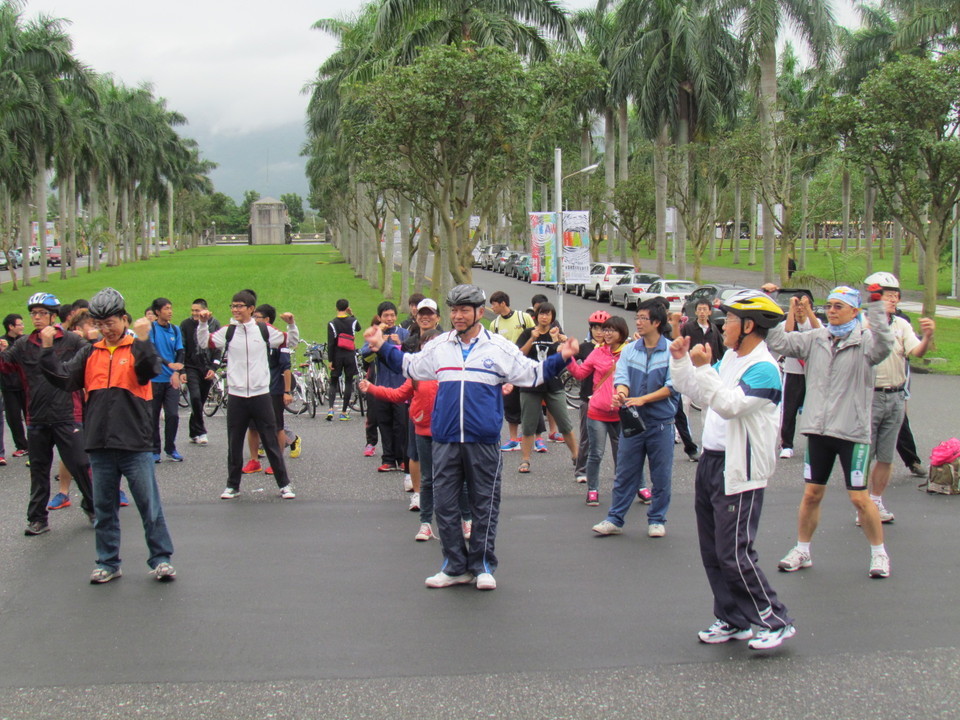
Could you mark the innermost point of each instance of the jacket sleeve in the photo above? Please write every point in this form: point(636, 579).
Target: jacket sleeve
point(880, 341)
point(280, 339)
point(394, 395)
point(792, 344)
point(146, 361)
point(331, 337)
point(68, 375)
point(581, 371)
point(727, 402)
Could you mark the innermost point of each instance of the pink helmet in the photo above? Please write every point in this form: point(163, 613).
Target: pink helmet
point(599, 317)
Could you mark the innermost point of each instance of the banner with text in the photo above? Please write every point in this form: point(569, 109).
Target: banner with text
point(576, 247)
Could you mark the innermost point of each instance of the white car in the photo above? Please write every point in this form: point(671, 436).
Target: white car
point(629, 288)
point(675, 291)
point(603, 276)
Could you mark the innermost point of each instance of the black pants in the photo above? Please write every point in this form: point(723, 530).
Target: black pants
point(683, 429)
point(794, 393)
point(67, 437)
point(392, 421)
point(343, 364)
point(199, 388)
point(906, 445)
point(241, 411)
point(13, 409)
point(167, 399)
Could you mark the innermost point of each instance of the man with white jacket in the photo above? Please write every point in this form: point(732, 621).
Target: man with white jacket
point(741, 395)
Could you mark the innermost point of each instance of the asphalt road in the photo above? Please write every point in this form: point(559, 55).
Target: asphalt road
point(315, 608)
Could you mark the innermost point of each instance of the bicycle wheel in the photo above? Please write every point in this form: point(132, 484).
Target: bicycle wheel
point(571, 388)
point(184, 399)
point(357, 401)
point(312, 397)
point(298, 404)
point(214, 399)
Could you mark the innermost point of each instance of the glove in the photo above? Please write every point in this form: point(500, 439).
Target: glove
point(876, 292)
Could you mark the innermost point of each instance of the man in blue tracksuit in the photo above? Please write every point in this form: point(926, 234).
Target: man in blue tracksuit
point(471, 364)
point(168, 341)
point(642, 380)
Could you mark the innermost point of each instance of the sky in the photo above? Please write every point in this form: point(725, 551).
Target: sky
point(236, 71)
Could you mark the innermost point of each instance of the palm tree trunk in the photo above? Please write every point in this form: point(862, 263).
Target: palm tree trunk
point(738, 220)
point(660, 198)
point(74, 209)
point(609, 171)
point(768, 101)
point(406, 244)
point(845, 197)
point(65, 255)
point(754, 217)
point(40, 202)
point(25, 239)
point(869, 198)
point(170, 239)
point(8, 233)
point(712, 222)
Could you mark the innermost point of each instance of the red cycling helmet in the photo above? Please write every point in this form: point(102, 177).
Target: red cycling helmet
point(598, 318)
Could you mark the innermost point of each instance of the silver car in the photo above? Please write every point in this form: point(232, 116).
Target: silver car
point(675, 291)
point(629, 288)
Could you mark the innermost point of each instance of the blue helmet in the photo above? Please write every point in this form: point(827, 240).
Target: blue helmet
point(44, 300)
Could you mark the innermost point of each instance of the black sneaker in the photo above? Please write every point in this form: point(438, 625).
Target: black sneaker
point(36, 528)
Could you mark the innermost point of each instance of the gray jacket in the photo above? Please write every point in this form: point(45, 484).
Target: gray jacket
point(839, 374)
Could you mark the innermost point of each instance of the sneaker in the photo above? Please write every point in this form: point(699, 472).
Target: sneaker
point(19, 453)
point(344, 417)
point(693, 456)
point(539, 446)
point(297, 447)
point(269, 470)
point(606, 528)
point(656, 530)
point(885, 515)
point(253, 466)
point(917, 469)
point(795, 560)
point(644, 495)
point(786, 453)
point(123, 499)
point(36, 528)
point(286, 492)
point(175, 456)
point(60, 500)
point(387, 467)
point(407, 483)
point(467, 527)
point(768, 639)
point(442, 580)
point(104, 575)
point(513, 444)
point(414, 502)
point(425, 533)
point(229, 493)
point(555, 437)
point(157, 459)
point(202, 439)
point(880, 566)
point(486, 581)
point(164, 572)
point(3, 460)
point(369, 450)
point(261, 452)
point(330, 415)
point(593, 498)
point(194, 440)
point(721, 632)
point(581, 479)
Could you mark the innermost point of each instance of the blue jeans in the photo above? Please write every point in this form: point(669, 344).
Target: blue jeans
point(598, 431)
point(137, 467)
point(656, 445)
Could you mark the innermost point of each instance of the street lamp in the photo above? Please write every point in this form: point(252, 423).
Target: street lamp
point(558, 178)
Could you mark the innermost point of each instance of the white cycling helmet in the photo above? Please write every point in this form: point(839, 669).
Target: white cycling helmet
point(883, 279)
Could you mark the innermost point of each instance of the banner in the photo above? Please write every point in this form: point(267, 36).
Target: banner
point(576, 247)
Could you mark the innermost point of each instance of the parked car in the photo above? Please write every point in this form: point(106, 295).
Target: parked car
point(630, 286)
point(783, 295)
point(715, 293)
point(524, 268)
point(501, 259)
point(53, 256)
point(510, 269)
point(675, 291)
point(603, 276)
point(510, 261)
point(477, 254)
point(489, 255)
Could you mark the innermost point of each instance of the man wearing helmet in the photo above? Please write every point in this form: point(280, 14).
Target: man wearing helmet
point(890, 386)
point(741, 394)
point(116, 372)
point(54, 417)
point(840, 360)
point(470, 363)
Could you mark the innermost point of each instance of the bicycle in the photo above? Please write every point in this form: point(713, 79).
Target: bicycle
point(184, 398)
point(217, 397)
point(357, 401)
point(317, 380)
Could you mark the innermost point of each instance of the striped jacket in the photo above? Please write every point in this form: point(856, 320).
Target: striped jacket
point(644, 375)
point(469, 404)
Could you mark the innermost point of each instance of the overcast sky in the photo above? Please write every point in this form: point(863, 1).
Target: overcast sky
point(235, 70)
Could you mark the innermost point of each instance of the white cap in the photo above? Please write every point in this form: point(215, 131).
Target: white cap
point(427, 303)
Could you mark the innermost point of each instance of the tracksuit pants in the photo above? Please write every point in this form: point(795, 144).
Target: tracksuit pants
point(727, 526)
point(67, 437)
point(794, 392)
point(166, 398)
point(478, 468)
point(241, 412)
point(198, 388)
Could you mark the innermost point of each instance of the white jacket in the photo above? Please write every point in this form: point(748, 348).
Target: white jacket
point(248, 367)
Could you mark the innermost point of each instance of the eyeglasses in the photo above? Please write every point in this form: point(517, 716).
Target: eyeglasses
point(108, 323)
point(643, 318)
point(239, 306)
point(40, 313)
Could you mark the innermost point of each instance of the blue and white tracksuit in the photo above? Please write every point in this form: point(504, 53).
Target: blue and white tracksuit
point(645, 373)
point(742, 397)
point(466, 421)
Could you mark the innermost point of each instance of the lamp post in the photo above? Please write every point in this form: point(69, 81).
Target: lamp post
point(214, 231)
point(558, 178)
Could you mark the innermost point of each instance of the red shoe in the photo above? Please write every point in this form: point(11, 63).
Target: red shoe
point(19, 453)
point(387, 467)
point(369, 450)
point(556, 437)
point(269, 470)
point(252, 467)
point(3, 460)
point(644, 495)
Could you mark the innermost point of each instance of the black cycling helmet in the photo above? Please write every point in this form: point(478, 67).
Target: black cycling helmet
point(106, 304)
point(466, 295)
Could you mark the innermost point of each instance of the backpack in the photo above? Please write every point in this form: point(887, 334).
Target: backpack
point(944, 474)
point(232, 329)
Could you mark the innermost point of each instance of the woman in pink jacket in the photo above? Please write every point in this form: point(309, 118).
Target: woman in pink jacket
point(602, 417)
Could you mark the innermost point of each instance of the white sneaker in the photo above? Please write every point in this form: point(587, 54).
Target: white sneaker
point(486, 581)
point(414, 502)
point(786, 453)
point(767, 639)
point(606, 528)
point(795, 560)
point(656, 530)
point(581, 479)
point(467, 527)
point(286, 492)
point(407, 483)
point(721, 632)
point(880, 566)
point(885, 515)
point(201, 439)
point(442, 580)
point(229, 494)
point(425, 533)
